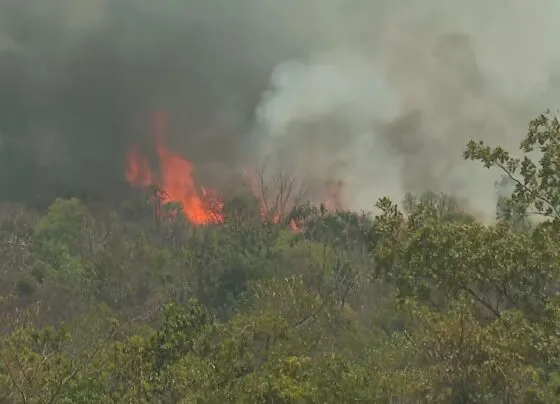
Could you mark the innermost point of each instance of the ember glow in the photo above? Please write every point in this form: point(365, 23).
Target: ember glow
point(174, 179)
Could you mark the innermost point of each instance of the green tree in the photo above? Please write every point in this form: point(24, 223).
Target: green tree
point(536, 184)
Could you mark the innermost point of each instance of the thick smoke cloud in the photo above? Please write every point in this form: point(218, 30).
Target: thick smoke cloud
point(444, 72)
point(79, 81)
point(380, 94)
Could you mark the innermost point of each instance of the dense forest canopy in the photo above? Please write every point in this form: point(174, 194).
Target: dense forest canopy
point(420, 302)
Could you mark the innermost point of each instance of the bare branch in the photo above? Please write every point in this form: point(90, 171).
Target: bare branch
point(287, 192)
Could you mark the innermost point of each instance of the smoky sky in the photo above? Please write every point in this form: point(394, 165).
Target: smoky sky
point(80, 82)
point(380, 94)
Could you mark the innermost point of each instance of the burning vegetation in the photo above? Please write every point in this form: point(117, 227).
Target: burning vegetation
point(174, 179)
point(173, 182)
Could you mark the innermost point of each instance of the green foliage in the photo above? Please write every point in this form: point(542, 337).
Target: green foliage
point(421, 303)
point(62, 234)
point(537, 190)
point(179, 333)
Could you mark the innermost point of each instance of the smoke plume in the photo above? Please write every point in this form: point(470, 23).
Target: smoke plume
point(382, 95)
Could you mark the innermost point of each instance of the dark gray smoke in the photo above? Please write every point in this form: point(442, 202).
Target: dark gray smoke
point(79, 82)
point(380, 94)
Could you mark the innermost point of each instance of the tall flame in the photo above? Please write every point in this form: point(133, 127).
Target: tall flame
point(175, 179)
point(175, 183)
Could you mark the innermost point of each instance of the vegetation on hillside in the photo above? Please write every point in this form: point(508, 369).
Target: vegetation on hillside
point(420, 303)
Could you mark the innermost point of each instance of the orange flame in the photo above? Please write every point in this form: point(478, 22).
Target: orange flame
point(176, 183)
point(201, 206)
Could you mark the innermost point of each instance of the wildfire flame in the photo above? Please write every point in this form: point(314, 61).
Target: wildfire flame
point(175, 183)
point(175, 179)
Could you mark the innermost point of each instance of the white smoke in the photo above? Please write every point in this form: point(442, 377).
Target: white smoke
point(391, 108)
point(348, 98)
